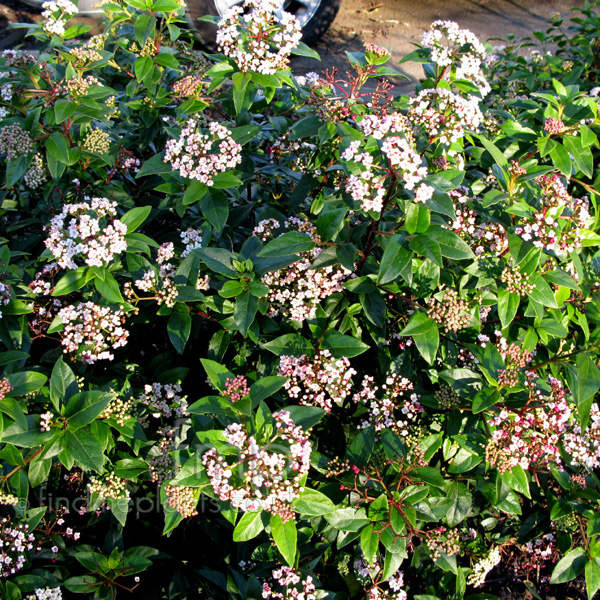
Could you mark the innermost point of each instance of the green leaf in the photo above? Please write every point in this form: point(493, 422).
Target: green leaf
point(218, 260)
point(109, 288)
point(425, 333)
point(418, 218)
point(395, 262)
point(347, 519)
point(305, 128)
point(496, 153)
point(246, 305)
point(26, 382)
point(301, 49)
point(248, 527)
point(64, 109)
point(136, 216)
point(143, 67)
point(285, 537)
point(306, 416)
point(217, 373)
point(517, 479)
point(542, 292)
point(360, 450)
point(215, 208)
point(291, 344)
point(460, 503)
point(581, 155)
point(569, 566)
point(451, 246)
point(85, 449)
point(71, 282)
point(292, 242)
point(508, 304)
point(369, 543)
point(585, 386)
point(342, 345)
point(561, 159)
point(592, 577)
point(58, 148)
point(154, 166)
point(264, 388)
point(425, 246)
point(313, 503)
point(84, 407)
point(179, 326)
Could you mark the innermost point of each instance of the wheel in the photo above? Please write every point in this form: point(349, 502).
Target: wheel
point(315, 16)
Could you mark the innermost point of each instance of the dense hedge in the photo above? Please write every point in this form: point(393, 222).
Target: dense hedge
point(394, 299)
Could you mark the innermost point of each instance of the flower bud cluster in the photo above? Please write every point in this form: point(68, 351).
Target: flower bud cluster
point(7, 498)
point(296, 291)
point(17, 59)
point(317, 382)
point(516, 282)
point(483, 567)
point(118, 409)
point(442, 540)
point(36, 173)
point(46, 421)
point(108, 486)
point(337, 466)
point(462, 51)
point(289, 585)
point(446, 397)
point(162, 465)
point(15, 141)
point(47, 593)
point(182, 499)
point(236, 388)
point(451, 311)
point(201, 156)
point(39, 285)
point(15, 541)
point(377, 51)
point(256, 477)
point(92, 331)
point(394, 410)
point(79, 86)
point(554, 126)
point(444, 115)
point(188, 87)
point(97, 141)
point(89, 231)
point(84, 56)
point(297, 152)
point(5, 388)
point(164, 401)
point(260, 40)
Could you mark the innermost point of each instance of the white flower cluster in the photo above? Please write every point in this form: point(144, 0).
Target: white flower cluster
point(15, 541)
point(296, 291)
point(556, 224)
point(55, 12)
point(460, 49)
point(394, 410)
point(258, 477)
point(36, 173)
point(201, 156)
point(584, 447)
point(47, 593)
point(164, 400)
point(260, 40)
point(444, 115)
point(483, 567)
point(398, 146)
point(317, 381)
point(290, 586)
point(87, 230)
point(92, 330)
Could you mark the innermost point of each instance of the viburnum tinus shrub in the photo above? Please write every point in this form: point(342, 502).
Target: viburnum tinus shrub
point(278, 336)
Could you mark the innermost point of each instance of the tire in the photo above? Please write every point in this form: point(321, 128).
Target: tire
point(315, 16)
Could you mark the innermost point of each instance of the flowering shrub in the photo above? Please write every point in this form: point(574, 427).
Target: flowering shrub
point(338, 343)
